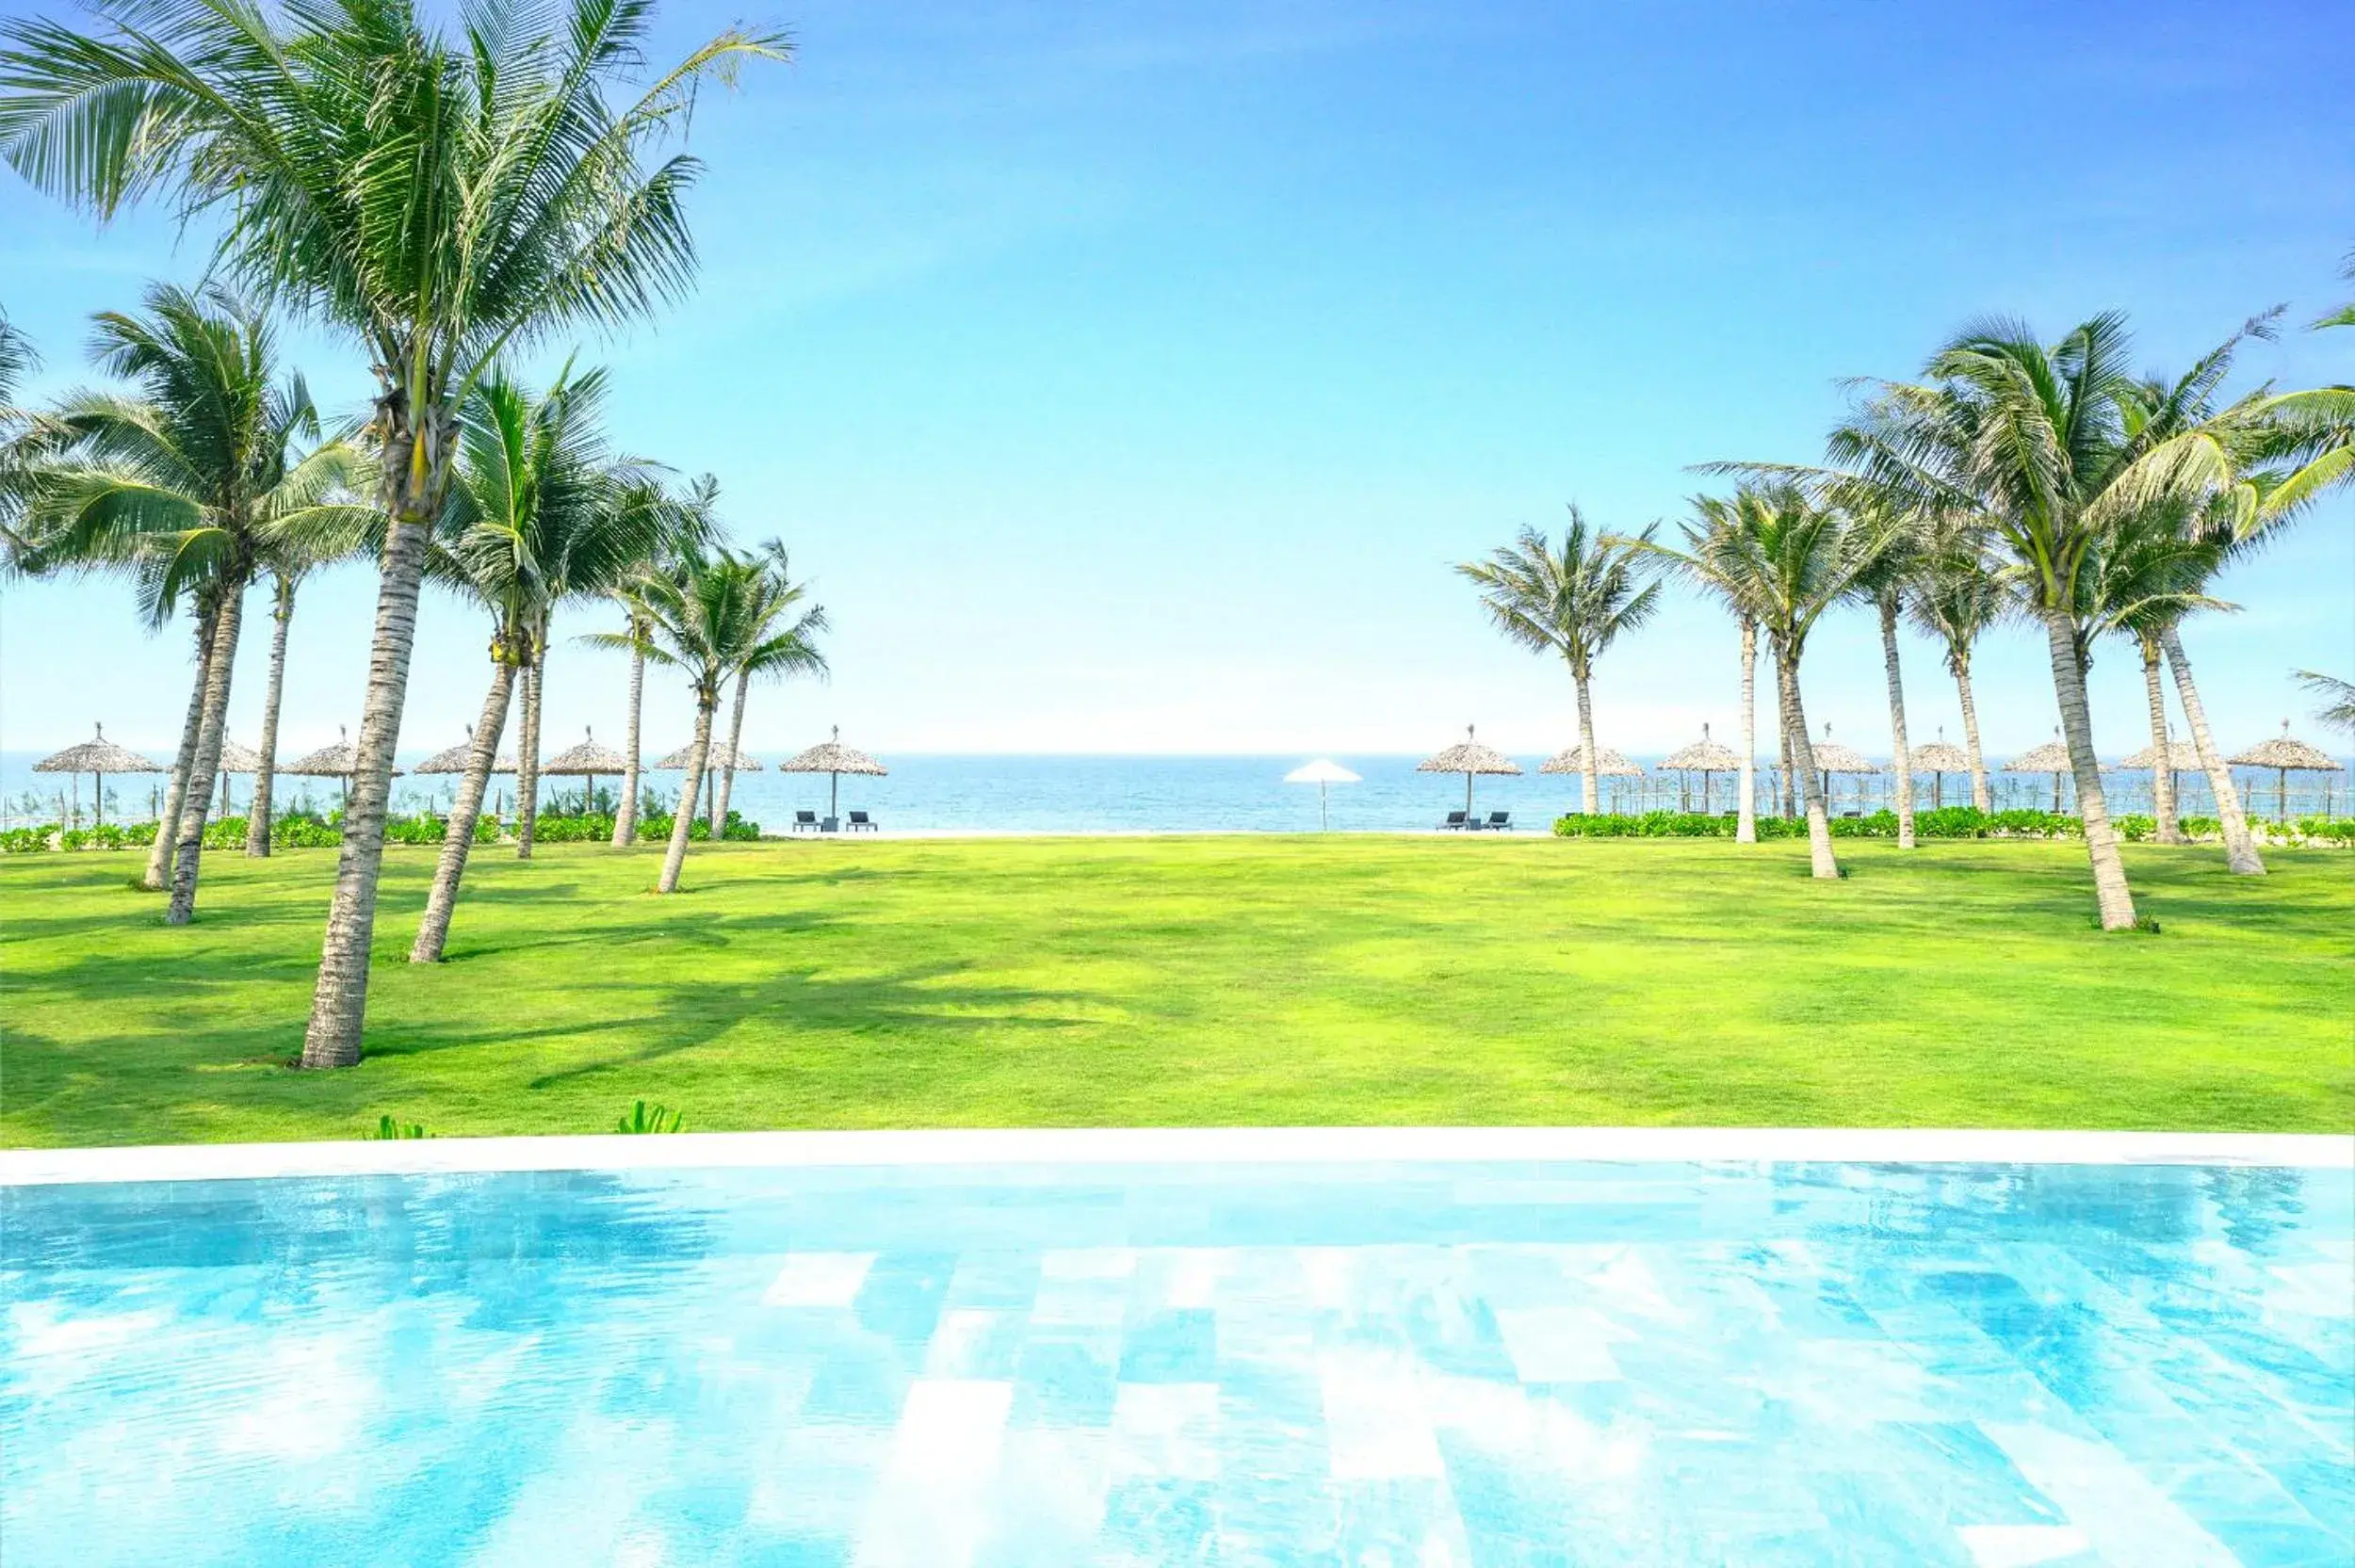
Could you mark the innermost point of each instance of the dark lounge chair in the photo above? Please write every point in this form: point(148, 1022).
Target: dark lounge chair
point(860, 820)
point(1498, 821)
point(1457, 819)
point(804, 821)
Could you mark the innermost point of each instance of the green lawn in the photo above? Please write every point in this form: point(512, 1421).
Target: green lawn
point(1196, 980)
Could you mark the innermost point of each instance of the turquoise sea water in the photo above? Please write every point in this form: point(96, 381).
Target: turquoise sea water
point(1184, 794)
point(1475, 1364)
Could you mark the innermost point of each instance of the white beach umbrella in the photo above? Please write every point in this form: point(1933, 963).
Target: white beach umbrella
point(1320, 773)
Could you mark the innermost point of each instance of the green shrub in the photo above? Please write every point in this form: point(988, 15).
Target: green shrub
point(594, 828)
point(388, 1130)
point(1942, 822)
point(643, 1117)
point(27, 841)
point(2329, 830)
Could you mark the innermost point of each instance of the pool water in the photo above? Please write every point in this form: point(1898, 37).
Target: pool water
point(1396, 1365)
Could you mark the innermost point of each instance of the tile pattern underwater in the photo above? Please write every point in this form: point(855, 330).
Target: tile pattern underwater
point(1390, 1365)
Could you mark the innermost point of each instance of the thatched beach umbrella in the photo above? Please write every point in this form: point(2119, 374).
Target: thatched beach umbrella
point(452, 759)
point(1705, 757)
point(1609, 763)
point(338, 762)
point(1831, 757)
point(235, 759)
point(2052, 757)
point(586, 761)
point(835, 759)
point(97, 756)
point(1938, 759)
point(1321, 774)
point(2182, 757)
point(717, 756)
point(1467, 757)
point(2286, 754)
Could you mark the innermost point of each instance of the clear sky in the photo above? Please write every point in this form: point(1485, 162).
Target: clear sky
point(1128, 377)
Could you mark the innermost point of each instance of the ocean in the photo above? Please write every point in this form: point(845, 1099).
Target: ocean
point(1162, 794)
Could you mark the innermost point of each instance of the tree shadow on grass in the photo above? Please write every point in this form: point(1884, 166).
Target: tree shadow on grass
point(689, 1014)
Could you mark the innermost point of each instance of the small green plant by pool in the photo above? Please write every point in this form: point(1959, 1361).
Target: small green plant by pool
point(643, 1118)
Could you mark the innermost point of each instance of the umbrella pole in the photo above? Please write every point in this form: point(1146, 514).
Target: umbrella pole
point(834, 795)
point(1325, 822)
point(98, 794)
point(1468, 781)
point(2281, 795)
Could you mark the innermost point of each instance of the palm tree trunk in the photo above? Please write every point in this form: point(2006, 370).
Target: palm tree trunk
point(197, 799)
point(2169, 830)
point(1589, 773)
point(625, 818)
point(2240, 850)
point(727, 774)
point(176, 790)
point(458, 838)
point(1820, 859)
point(683, 819)
point(1789, 784)
point(1900, 753)
point(266, 771)
point(1980, 801)
point(528, 761)
point(416, 470)
point(1746, 819)
point(2111, 895)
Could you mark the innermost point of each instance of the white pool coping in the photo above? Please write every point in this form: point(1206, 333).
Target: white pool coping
point(1174, 1145)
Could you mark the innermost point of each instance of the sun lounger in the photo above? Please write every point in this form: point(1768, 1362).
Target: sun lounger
point(860, 820)
point(804, 821)
point(1498, 821)
point(1456, 819)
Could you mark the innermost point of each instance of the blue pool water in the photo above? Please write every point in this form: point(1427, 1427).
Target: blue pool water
point(1400, 1364)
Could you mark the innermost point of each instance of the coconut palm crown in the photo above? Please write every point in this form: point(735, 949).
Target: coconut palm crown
point(1573, 599)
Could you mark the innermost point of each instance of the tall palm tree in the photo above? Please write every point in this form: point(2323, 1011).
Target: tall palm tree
point(690, 518)
point(1782, 558)
point(539, 510)
point(700, 616)
point(1574, 600)
point(1710, 543)
point(193, 481)
point(18, 360)
point(783, 643)
point(444, 199)
point(2053, 446)
point(1954, 599)
point(1885, 584)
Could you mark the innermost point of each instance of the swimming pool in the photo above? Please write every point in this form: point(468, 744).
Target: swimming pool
point(1414, 1361)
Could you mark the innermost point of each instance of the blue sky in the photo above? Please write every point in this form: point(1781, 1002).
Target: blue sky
point(1128, 377)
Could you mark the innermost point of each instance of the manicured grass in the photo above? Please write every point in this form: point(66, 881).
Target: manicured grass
point(1196, 980)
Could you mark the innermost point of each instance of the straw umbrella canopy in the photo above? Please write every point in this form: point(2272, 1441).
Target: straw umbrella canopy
point(1609, 763)
point(452, 759)
point(836, 759)
point(97, 756)
point(2286, 754)
point(1469, 758)
point(2182, 757)
point(717, 756)
point(2052, 757)
point(1705, 757)
point(338, 762)
point(1938, 759)
point(1321, 774)
point(586, 761)
point(1831, 757)
point(235, 759)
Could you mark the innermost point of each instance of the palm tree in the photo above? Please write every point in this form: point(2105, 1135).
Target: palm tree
point(783, 643)
point(2338, 696)
point(193, 482)
point(1782, 558)
point(1574, 600)
point(1709, 543)
point(539, 510)
point(18, 360)
point(444, 199)
point(1955, 600)
point(1884, 584)
point(690, 518)
point(699, 618)
point(2054, 446)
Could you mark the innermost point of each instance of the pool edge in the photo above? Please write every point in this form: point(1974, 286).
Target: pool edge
point(1174, 1145)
